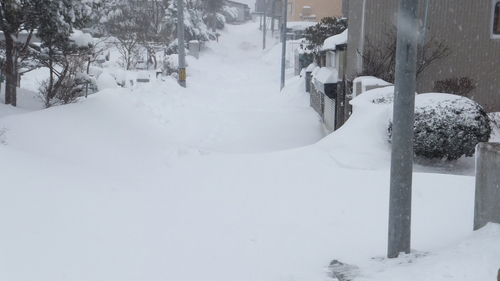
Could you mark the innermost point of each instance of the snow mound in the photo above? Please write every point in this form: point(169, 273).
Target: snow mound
point(106, 81)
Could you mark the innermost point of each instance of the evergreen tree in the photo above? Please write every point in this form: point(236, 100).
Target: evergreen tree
point(211, 9)
point(29, 15)
point(194, 26)
point(327, 27)
point(56, 20)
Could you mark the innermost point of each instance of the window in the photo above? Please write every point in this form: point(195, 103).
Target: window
point(496, 18)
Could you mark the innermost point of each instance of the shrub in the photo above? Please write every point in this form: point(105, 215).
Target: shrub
point(457, 86)
point(317, 34)
point(447, 126)
point(66, 91)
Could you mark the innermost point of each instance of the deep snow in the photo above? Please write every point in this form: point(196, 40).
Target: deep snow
point(227, 179)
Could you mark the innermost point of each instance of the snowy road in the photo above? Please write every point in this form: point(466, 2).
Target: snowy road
point(225, 180)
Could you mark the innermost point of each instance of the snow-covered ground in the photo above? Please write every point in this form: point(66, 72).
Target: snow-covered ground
point(227, 179)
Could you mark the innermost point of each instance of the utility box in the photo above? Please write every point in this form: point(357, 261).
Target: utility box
point(194, 48)
point(143, 77)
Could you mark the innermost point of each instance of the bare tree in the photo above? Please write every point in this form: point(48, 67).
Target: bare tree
point(380, 59)
point(135, 24)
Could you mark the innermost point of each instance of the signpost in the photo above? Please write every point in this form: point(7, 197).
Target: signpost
point(283, 48)
point(180, 45)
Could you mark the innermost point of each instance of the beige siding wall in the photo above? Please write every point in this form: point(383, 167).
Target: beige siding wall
point(369, 20)
point(320, 8)
point(463, 25)
point(466, 30)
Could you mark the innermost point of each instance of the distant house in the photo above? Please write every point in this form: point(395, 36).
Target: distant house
point(302, 10)
point(243, 10)
point(471, 29)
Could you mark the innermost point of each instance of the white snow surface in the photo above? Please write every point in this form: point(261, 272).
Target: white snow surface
point(227, 179)
point(106, 81)
point(82, 39)
point(327, 75)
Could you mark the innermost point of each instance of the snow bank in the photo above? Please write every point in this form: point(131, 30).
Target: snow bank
point(326, 75)
point(222, 180)
point(106, 81)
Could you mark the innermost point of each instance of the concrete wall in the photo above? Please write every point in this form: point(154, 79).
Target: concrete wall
point(487, 202)
point(464, 26)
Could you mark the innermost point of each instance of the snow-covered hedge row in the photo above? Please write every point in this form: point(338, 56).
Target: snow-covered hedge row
point(447, 126)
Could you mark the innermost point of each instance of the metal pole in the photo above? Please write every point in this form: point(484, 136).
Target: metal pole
point(422, 52)
point(180, 43)
point(264, 30)
point(283, 47)
point(402, 130)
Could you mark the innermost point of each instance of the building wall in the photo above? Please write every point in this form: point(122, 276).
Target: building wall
point(241, 10)
point(462, 25)
point(466, 30)
point(320, 8)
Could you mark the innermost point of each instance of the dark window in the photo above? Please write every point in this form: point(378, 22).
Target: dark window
point(496, 19)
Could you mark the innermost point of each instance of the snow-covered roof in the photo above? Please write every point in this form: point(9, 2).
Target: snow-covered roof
point(331, 42)
point(311, 67)
point(327, 75)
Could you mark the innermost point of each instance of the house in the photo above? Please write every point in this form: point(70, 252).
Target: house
point(313, 10)
point(243, 10)
point(470, 29)
point(302, 10)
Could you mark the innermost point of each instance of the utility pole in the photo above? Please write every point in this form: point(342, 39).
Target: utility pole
point(283, 46)
point(402, 130)
point(180, 43)
point(264, 30)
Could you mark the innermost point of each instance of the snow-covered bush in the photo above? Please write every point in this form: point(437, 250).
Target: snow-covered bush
point(171, 64)
point(447, 126)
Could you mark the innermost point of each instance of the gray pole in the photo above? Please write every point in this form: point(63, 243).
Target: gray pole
point(402, 130)
point(180, 45)
point(264, 28)
point(283, 48)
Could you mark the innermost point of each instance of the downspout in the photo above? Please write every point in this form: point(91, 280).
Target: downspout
point(422, 44)
point(362, 39)
point(361, 49)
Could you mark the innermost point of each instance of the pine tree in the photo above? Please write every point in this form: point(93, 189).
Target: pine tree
point(30, 15)
point(56, 20)
point(327, 27)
